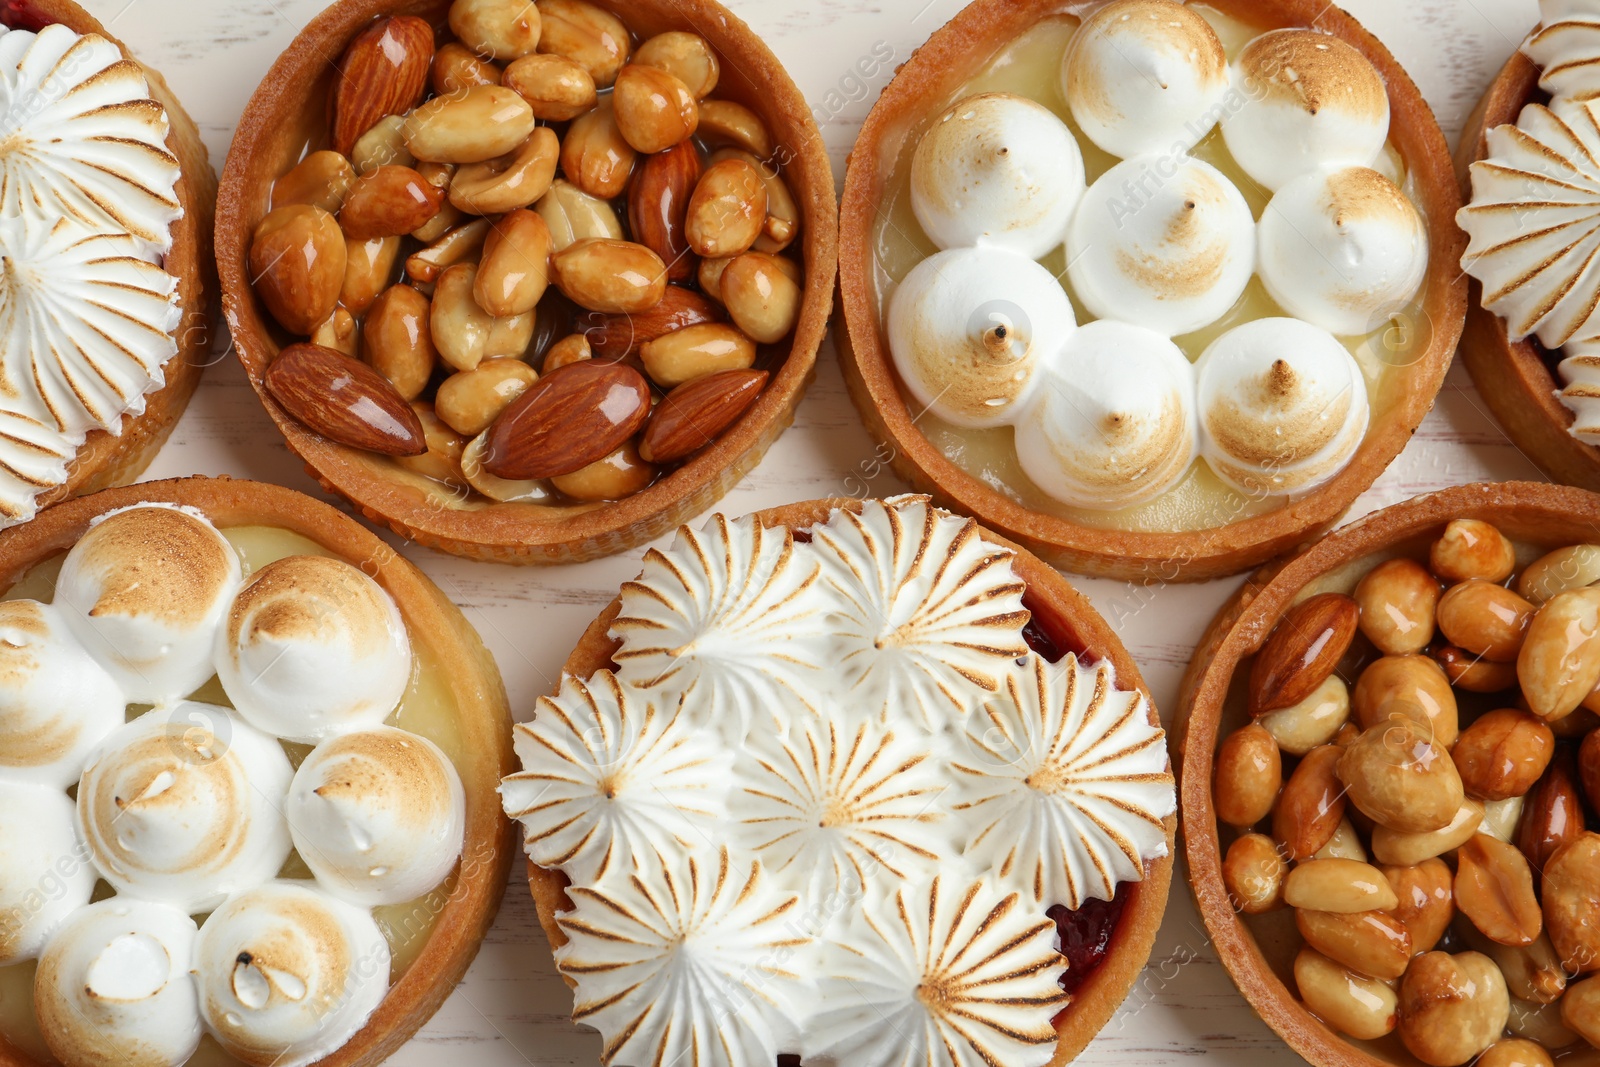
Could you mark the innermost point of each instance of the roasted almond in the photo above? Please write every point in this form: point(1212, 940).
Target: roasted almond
point(658, 200)
point(1311, 805)
point(1552, 813)
point(1302, 651)
point(568, 419)
point(614, 337)
point(344, 400)
point(695, 413)
point(384, 72)
point(297, 265)
point(1494, 888)
point(387, 202)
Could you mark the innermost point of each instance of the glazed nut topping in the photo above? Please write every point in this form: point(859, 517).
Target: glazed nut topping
point(1441, 857)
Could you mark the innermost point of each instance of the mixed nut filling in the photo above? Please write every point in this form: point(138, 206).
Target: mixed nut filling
point(1433, 826)
point(539, 262)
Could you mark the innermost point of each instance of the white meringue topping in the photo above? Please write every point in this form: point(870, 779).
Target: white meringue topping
point(611, 775)
point(1343, 249)
point(1166, 242)
point(288, 973)
point(312, 647)
point(693, 963)
point(56, 703)
point(968, 329)
point(379, 816)
point(1112, 423)
point(1066, 783)
point(1283, 407)
point(997, 169)
point(185, 805)
point(114, 986)
point(45, 874)
point(1566, 48)
point(145, 591)
point(1145, 76)
point(1312, 101)
point(1534, 223)
point(1580, 375)
point(942, 973)
point(928, 615)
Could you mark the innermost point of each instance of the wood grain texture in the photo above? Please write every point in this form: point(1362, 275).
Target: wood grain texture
point(512, 1009)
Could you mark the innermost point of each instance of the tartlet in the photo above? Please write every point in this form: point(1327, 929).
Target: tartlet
point(937, 75)
point(1117, 939)
point(286, 115)
point(107, 459)
point(1447, 533)
point(452, 692)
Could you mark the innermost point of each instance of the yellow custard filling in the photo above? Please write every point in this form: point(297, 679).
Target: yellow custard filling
point(1029, 67)
point(428, 709)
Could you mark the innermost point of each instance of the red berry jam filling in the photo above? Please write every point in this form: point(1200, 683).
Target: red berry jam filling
point(23, 15)
point(1086, 935)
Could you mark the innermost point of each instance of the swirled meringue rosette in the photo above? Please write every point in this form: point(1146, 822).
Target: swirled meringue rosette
point(778, 816)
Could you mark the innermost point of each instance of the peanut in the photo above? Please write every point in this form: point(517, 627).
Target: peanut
point(616, 277)
point(595, 156)
point(457, 67)
point(1567, 568)
point(510, 182)
point(457, 246)
point(1311, 804)
point(1398, 599)
point(1253, 872)
point(783, 221)
point(1426, 892)
point(1472, 549)
point(762, 296)
point(1401, 778)
point(466, 335)
point(470, 401)
point(709, 276)
point(1501, 818)
point(500, 29)
point(397, 341)
point(339, 332)
point(1474, 673)
point(1571, 890)
point(1342, 886)
point(1362, 1007)
point(1413, 686)
point(1580, 1010)
point(1452, 1007)
point(442, 461)
point(1515, 1052)
point(1503, 753)
point(323, 179)
point(1532, 972)
point(387, 202)
point(726, 122)
point(1368, 942)
point(1248, 774)
point(1486, 619)
point(1541, 1023)
point(654, 110)
point(727, 210)
point(557, 89)
point(686, 56)
point(594, 39)
point(1494, 888)
point(1589, 768)
point(500, 490)
point(574, 348)
point(1398, 848)
point(383, 145)
point(515, 269)
point(297, 265)
point(619, 475)
point(475, 124)
point(694, 351)
point(1559, 664)
point(369, 268)
point(1345, 844)
point(1301, 727)
point(573, 215)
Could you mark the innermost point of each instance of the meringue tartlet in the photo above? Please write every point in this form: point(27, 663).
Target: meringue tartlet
point(1531, 154)
point(829, 757)
point(263, 830)
point(1162, 287)
point(107, 198)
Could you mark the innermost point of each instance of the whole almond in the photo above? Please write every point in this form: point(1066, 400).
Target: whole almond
point(344, 400)
point(568, 419)
point(1552, 813)
point(1302, 651)
point(297, 265)
point(695, 413)
point(1494, 888)
point(1311, 805)
point(387, 202)
point(614, 337)
point(658, 200)
point(384, 72)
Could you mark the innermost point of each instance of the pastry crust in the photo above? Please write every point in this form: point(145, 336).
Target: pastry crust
point(436, 625)
point(1512, 376)
point(932, 77)
point(1528, 512)
point(1067, 617)
point(287, 113)
point(106, 460)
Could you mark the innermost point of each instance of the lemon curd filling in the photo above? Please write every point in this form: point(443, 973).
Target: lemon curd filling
point(427, 709)
point(1030, 67)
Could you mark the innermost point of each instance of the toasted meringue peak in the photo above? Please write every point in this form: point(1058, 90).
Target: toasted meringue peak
point(44, 875)
point(831, 806)
point(1145, 76)
point(611, 775)
point(1165, 242)
point(114, 986)
point(288, 973)
point(312, 648)
point(56, 703)
point(941, 973)
point(1534, 223)
point(83, 139)
point(1066, 784)
point(33, 457)
point(929, 616)
point(379, 816)
point(730, 610)
point(1112, 423)
point(1566, 48)
point(968, 329)
point(997, 169)
point(1343, 249)
point(1580, 375)
point(692, 962)
point(1312, 101)
point(1283, 407)
point(185, 805)
point(145, 591)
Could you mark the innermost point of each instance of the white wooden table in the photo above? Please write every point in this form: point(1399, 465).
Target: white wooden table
point(512, 1010)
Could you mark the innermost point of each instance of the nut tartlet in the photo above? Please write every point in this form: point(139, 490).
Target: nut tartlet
point(604, 389)
point(1001, 631)
point(1226, 402)
point(126, 428)
point(1520, 371)
point(329, 923)
point(1414, 685)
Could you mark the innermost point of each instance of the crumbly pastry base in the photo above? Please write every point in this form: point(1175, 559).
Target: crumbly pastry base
point(933, 76)
point(1512, 376)
point(1535, 513)
point(106, 460)
point(435, 624)
point(286, 113)
point(1067, 617)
